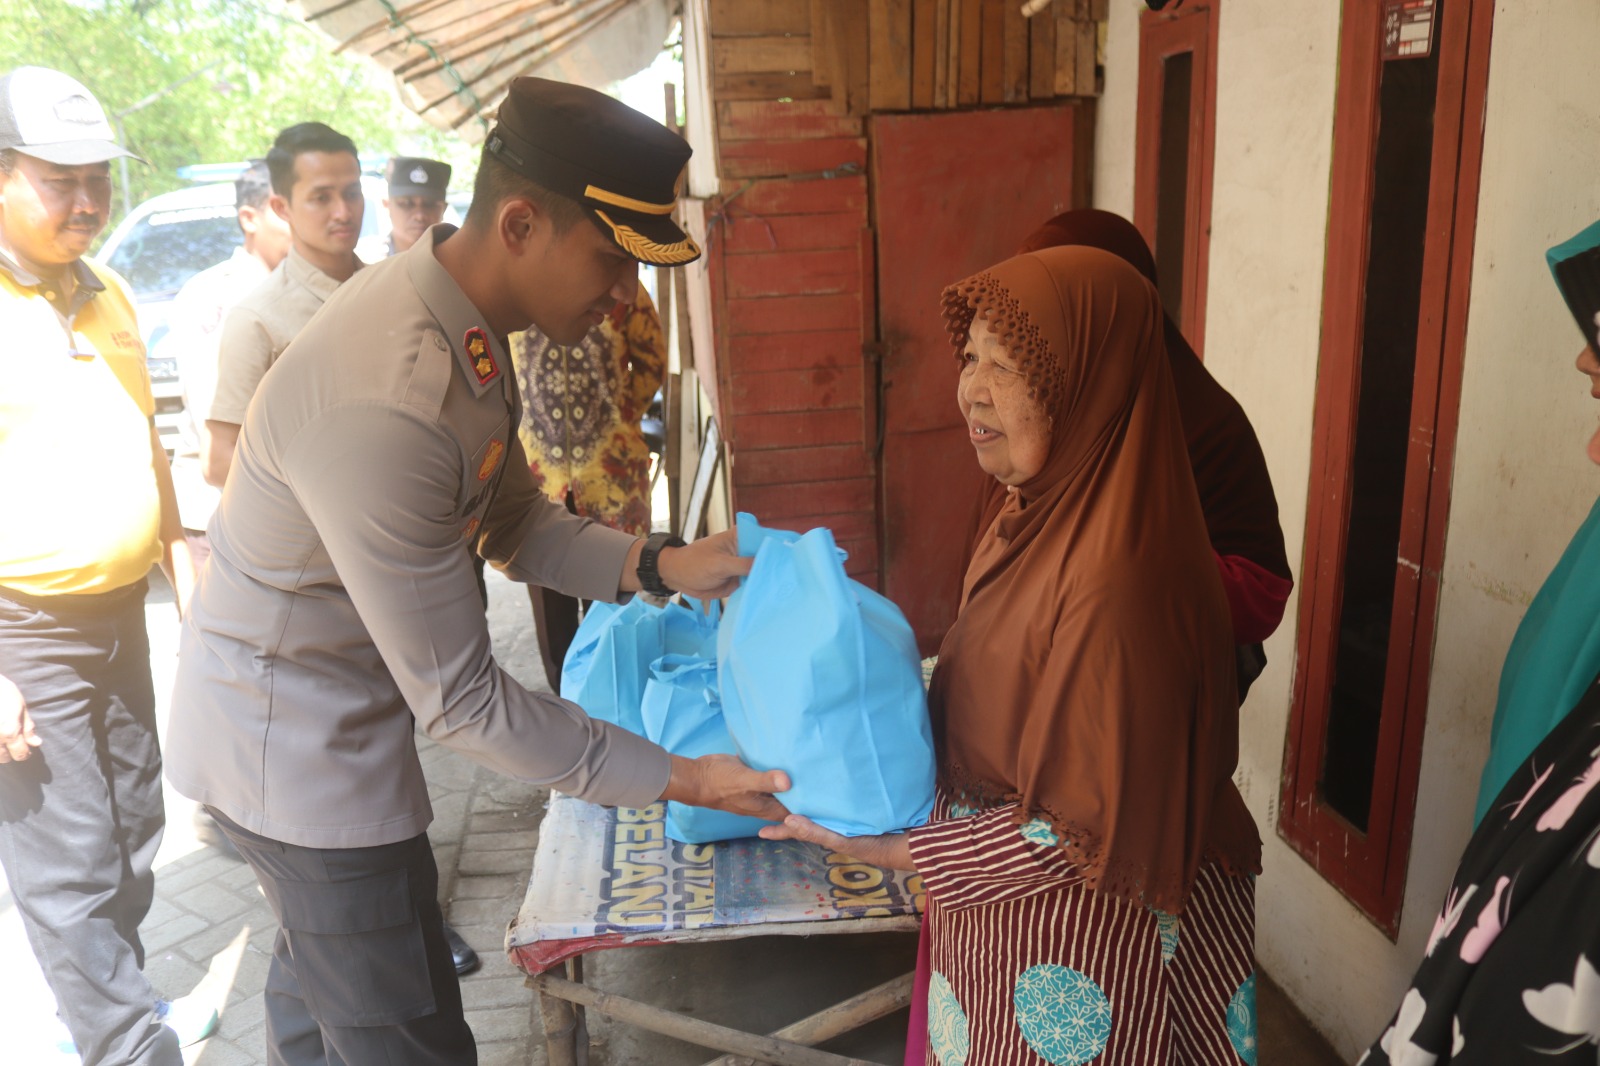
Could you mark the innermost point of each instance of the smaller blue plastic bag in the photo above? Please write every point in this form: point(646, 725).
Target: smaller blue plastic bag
point(585, 642)
point(608, 662)
point(820, 677)
point(606, 666)
point(683, 713)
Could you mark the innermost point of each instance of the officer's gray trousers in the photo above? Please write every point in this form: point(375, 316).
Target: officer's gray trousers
point(81, 818)
point(361, 973)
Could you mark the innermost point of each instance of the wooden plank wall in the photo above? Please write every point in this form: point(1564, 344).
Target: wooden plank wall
point(790, 244)
point(791, 259)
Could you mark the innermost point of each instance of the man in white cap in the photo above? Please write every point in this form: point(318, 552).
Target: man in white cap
point(89, 509)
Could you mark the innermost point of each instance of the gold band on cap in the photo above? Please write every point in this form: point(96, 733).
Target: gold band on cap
point(639, 246)
point(643, 207)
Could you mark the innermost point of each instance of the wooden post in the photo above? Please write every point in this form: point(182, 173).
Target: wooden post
point(580, 1029)
point(560, 1029)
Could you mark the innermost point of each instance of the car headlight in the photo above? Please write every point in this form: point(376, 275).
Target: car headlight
point(163, 370)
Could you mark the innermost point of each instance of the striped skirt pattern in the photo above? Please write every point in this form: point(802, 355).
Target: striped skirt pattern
point(1031, 967)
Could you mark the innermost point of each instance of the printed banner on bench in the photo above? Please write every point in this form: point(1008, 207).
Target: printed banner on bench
point(610, 874)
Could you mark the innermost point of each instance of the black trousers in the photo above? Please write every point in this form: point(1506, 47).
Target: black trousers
point(361, 973)
point(555, 622)
point(81, 818)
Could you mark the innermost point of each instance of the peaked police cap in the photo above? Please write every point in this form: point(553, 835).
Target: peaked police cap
point(622, 166)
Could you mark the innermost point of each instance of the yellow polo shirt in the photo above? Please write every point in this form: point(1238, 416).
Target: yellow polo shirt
point(79, 507)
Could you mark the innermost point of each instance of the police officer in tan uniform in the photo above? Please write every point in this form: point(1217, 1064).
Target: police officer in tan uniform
point(316, 188)
point(339, 610)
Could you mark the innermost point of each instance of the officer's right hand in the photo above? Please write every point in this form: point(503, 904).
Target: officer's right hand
point(17, 738)
point(723, 782)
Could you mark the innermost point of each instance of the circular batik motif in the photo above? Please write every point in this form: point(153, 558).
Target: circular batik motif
point(1242, 1021)
point(947, 1023)
point(1063, 1015)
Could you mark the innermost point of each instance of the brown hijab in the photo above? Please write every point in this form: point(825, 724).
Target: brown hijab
point(1230, 472)
point(1089, 676)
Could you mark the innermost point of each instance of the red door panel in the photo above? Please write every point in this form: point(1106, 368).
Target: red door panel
point(952, 193)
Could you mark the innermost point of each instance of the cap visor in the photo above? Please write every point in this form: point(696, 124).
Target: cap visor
point(77, 153)
point(415, 190)
point(654, 239)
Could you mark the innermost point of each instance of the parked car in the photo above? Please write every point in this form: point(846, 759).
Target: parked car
point(170, 238)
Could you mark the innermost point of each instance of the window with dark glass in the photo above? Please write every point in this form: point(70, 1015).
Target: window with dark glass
point(1407, 146)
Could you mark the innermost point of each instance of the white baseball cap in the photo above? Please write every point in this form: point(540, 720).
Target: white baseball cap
point(45, 114)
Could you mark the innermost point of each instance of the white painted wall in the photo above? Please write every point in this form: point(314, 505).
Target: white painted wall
point(1521, 483)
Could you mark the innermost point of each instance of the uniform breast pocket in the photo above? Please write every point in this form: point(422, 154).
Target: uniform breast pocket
point(480, 477)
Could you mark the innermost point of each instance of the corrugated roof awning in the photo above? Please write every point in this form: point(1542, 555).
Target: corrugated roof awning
point(453, 59)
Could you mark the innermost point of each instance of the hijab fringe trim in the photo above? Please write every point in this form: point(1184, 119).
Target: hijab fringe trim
point(1008, 320)
point(1123, 880)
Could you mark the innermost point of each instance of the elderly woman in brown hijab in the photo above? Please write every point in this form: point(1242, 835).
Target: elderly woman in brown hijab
point(1089, 864)
point(1230, 471)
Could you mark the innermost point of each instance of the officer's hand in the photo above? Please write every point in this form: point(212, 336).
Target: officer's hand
point(708, 569)
point(723, 782)
point(17, 738)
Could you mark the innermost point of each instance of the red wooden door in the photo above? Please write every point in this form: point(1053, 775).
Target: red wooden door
point(952, 193)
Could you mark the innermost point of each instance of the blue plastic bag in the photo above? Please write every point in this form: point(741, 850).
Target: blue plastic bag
point(608, 662)
point(690, 627)
point(820, 676)
point(585, 642)
point(605, 669)
point(683, 713)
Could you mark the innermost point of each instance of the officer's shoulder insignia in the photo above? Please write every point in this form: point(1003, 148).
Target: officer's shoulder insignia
point(491, 459)
point(483, 364)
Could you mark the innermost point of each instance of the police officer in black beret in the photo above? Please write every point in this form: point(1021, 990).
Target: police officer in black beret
point(415, 202)
point(339, 612)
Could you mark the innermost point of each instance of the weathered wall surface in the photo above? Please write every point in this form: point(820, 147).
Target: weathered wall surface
point(1521, 483)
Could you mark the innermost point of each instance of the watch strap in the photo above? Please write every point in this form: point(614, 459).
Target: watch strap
point(649, 559)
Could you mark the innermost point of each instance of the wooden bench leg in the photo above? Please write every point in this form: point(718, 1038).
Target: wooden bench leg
point(566, 1027)
point(560, 1030)
point(580, 1034)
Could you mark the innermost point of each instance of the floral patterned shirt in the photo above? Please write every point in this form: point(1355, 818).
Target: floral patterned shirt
point(581, 406)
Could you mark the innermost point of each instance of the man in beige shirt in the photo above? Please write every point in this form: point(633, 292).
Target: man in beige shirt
point(338, 612)
point(316, 189)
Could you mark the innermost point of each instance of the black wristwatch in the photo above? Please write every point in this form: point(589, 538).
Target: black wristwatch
point(648, 571)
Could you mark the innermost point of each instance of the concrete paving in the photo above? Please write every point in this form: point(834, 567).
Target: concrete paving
point(210, 931)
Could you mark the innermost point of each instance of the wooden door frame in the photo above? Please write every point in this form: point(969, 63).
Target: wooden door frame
point(1370, 868)
point(1190, 27)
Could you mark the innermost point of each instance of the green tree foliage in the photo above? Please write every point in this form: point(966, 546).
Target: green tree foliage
point(227, 74)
